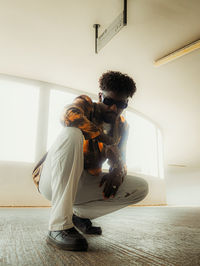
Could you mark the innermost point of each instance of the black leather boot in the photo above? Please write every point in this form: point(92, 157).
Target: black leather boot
point(85, 226)
point(69, 239)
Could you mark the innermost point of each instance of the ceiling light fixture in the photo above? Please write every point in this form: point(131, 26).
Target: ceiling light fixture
point(178, 53)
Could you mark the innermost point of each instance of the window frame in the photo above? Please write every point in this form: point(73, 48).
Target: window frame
point(43, 116)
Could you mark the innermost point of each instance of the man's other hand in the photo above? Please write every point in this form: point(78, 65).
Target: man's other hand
point(112, 182)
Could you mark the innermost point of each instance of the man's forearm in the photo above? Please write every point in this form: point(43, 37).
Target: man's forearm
point(115, 160)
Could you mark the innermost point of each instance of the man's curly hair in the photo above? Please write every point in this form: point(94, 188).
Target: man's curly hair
point(117, 82)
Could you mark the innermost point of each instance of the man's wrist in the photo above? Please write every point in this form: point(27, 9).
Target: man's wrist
point(118, 170)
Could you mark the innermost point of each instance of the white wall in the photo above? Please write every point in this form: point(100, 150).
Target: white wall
point(183, 187)
point(17, 187)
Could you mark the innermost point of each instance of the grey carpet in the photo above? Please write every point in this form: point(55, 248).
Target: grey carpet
point(131, 236)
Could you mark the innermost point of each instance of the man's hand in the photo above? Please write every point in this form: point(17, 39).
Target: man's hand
point(112, 182)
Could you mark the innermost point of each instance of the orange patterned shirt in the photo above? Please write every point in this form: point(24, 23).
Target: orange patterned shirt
point(85, 115)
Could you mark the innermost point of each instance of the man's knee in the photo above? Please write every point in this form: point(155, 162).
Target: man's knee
point(144, 188)
point(73, 133)
point(137, 189)
point(70, 139)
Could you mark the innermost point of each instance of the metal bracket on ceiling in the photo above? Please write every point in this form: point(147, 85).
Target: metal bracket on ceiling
point(111, 31)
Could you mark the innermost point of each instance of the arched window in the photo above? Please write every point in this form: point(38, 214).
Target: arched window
point(18, 120)
point(144, 151)
point(30, 121)
point(144, 147)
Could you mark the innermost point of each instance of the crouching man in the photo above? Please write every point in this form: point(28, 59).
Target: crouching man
point(70, 175)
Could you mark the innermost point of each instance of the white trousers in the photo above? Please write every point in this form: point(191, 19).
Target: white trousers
point(71, 189)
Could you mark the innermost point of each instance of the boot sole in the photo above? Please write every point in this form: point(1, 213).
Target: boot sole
point(58, 245)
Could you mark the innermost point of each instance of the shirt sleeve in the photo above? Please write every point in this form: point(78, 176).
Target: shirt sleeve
point(78, 115)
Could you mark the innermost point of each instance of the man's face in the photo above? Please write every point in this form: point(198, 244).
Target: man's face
point(112, 105)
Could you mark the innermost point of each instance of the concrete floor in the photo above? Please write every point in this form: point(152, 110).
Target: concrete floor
point(131, 236)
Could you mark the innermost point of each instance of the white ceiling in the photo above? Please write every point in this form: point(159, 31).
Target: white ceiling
point(54, 41)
